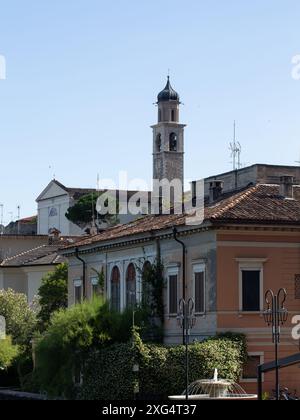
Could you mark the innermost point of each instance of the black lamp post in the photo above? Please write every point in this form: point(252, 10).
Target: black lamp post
point(276, 315)
point(186, 320)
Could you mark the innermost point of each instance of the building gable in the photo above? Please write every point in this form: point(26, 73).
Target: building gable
point(54, 189)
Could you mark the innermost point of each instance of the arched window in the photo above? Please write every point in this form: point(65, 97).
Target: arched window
point(173, 142)
point(158, 143)
point(146, 286)
point(115, 289)
point(159, 115)
point(130, 286)
point(173, 115)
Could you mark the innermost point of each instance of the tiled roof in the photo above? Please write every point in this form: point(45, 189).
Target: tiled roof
point(77, 193)
point(143, 225)
point(31, 219)
point(42, 255)
point(261, 204)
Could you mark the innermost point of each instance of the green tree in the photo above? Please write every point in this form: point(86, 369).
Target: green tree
point(8, 353)
point(53, 294)
point(61, 348)
point(20, 318)
point(83, 211)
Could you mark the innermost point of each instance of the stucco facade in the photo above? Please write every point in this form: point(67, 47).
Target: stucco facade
point(53, 204)
point(201, 249)
point(277, 254)
point(26, 280)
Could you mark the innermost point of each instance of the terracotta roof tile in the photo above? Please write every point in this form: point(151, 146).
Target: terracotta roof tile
point(42, 255)
point(261, 204)
point(256, 204)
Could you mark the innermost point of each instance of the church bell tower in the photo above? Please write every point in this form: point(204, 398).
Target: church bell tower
point(168, 138)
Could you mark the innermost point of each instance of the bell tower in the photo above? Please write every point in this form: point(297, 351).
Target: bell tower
point(168, 138)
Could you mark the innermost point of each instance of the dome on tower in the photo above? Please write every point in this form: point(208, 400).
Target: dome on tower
point(168, 94)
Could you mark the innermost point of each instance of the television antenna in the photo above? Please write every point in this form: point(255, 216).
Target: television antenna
point(19, 216)
point(236, 150)
point(1, 218)
point(54, 175)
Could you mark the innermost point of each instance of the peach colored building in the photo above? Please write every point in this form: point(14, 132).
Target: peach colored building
point(249, 242)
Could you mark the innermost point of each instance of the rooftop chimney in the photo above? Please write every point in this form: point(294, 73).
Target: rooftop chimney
point(54, 236)
point(286, 186)
point(215, 190)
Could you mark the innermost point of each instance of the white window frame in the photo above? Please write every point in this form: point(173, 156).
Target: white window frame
point(172, 271)
point(251, 265)
point(76, 284)
point(200, 268)
point(261, 354)
point(94, 281)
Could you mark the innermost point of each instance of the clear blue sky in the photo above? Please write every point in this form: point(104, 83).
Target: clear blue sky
point(82, 77)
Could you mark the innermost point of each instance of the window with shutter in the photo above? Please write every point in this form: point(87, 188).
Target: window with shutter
point(77, 291)
point(199, 293)
point(250, 367)
point(251, 286)
point(173, 304)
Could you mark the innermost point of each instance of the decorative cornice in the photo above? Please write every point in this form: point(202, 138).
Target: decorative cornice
point(257, 228)
point(130, 243)
point(183, 233)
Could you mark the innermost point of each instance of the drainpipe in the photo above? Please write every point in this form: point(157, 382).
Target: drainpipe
point(83, 272)
point(175, 233)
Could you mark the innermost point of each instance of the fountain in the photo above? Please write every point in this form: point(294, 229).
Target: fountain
point(215, 389)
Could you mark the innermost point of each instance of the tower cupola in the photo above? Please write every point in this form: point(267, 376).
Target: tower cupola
point(168, 94)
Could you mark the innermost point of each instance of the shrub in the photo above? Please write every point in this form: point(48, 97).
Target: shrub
point(109, 374)
point(62, 347)
point(71, 335)
point(53, 294)
point(8, 353)
point(91, 338)
point(20, 318)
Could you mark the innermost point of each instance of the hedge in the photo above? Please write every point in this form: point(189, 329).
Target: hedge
point(108, 373)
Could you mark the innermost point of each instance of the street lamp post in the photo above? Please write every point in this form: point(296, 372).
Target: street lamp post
point(276, 316)
point(186, 320)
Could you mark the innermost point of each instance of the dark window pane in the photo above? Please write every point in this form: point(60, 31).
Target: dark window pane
point(173, 295)
point(173, 142)
point(78, 294)
point(95, 290)
point(115, 290)
point(199, 293)
point(251, 291)
point(131, 286)
point(147, 291)
point(250, 367)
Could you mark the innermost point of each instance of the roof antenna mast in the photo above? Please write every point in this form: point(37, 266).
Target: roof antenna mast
point(236, 150)
point(1, 219)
